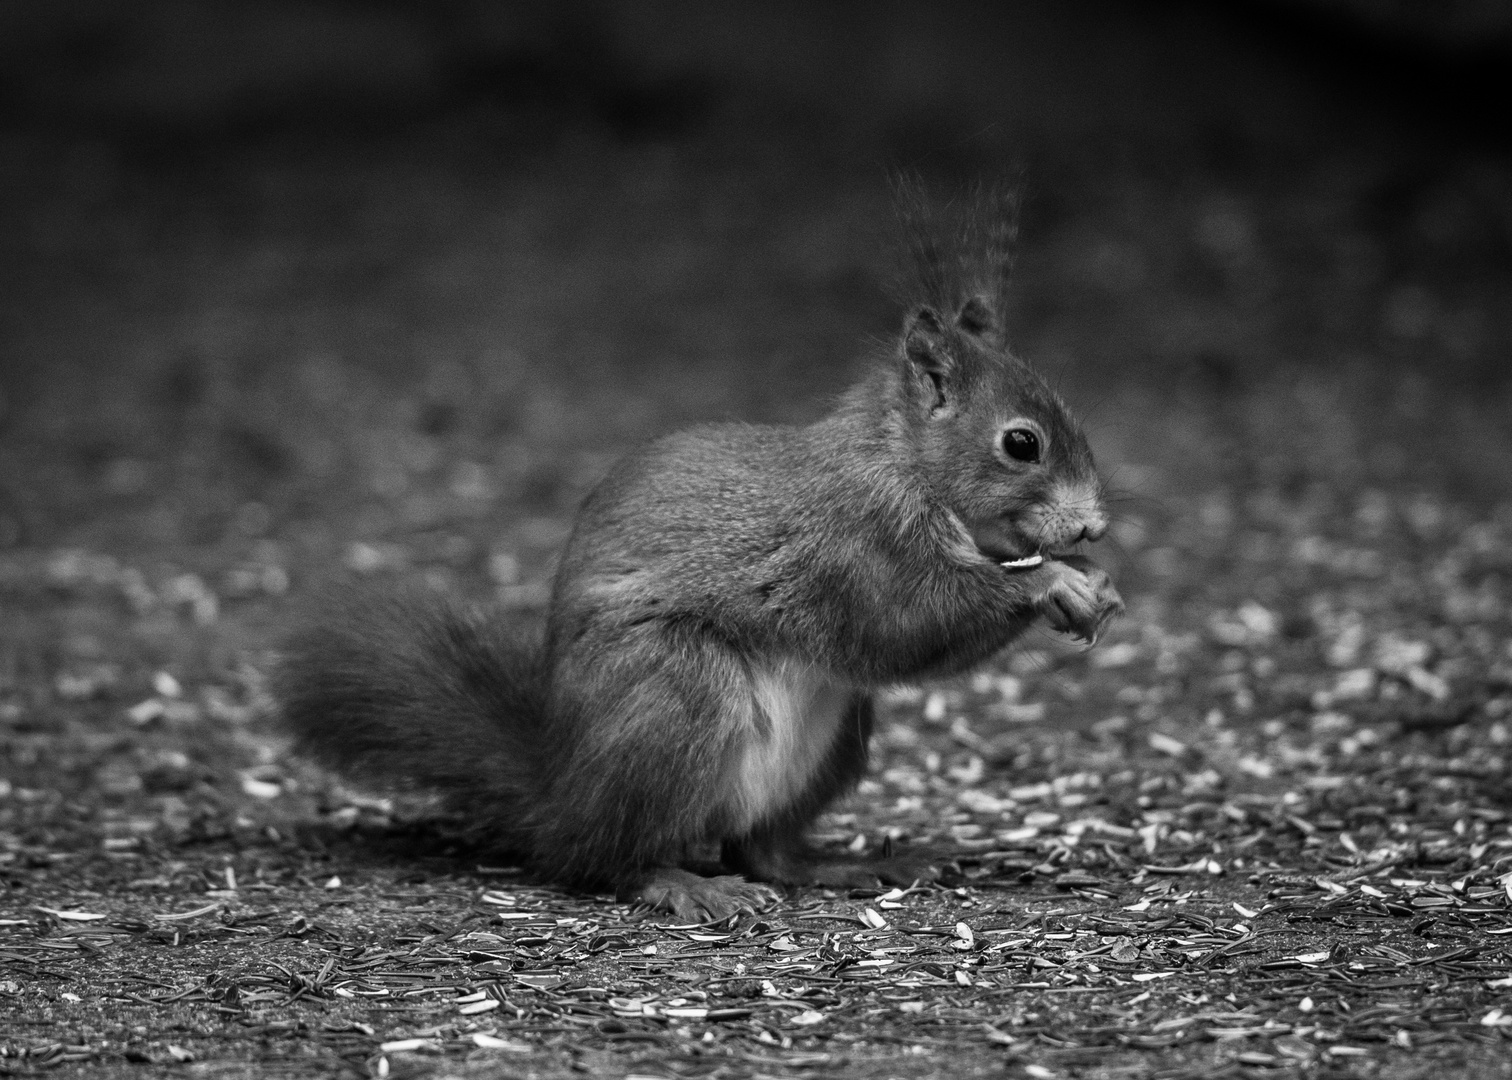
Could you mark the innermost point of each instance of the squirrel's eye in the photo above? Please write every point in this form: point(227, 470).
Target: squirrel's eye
point(1021, 444)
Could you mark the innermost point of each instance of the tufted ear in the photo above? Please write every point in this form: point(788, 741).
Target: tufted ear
point(924, 342)
point(929, 361)
point(977, 317)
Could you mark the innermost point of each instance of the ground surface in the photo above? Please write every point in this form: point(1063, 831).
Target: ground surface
point(1261, 830)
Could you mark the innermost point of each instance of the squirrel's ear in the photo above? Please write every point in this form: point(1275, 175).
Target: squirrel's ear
point(977, 317)
point(929, 360)
point(924, 342)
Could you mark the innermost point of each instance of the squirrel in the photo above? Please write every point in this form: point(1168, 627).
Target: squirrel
point(728, 602)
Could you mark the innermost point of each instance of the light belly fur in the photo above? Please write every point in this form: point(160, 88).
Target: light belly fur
point(795, 714)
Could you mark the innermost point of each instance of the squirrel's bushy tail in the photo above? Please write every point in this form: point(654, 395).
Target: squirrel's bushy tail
point(412, 693)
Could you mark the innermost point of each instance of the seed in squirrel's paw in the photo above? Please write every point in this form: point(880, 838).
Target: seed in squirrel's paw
point(1025, 563)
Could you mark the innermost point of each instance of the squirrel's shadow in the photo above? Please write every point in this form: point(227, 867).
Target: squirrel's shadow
point(439, 844)
point(414, 849)
point(408, 846)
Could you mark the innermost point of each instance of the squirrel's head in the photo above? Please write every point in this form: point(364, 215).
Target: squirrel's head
point(994, 443)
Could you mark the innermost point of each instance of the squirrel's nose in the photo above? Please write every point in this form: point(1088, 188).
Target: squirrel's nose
point(1094, 528)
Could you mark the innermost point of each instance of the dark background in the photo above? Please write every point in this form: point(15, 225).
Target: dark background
point(281, 276)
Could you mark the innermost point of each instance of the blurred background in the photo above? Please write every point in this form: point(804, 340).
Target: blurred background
point(303, 290)
point(307, 285)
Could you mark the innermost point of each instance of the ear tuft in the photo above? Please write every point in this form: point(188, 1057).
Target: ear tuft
point(977, 317)
point(959, 250)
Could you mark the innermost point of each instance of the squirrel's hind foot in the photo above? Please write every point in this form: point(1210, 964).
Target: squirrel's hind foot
point(698, 899)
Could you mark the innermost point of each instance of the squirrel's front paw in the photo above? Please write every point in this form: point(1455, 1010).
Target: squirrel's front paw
point(1079, 597)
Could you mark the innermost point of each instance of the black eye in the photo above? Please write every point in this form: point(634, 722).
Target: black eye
point(1021, 444)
